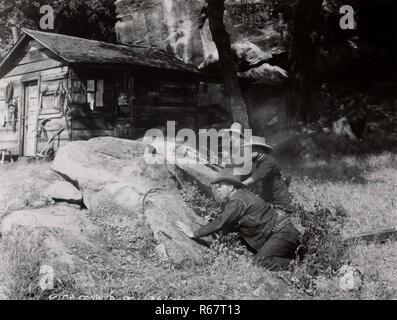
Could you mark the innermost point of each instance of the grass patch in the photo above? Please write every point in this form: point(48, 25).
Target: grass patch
point(369, 205)
point(359, 193)
point(21, 254)
point(341, 195)
point(131, 268)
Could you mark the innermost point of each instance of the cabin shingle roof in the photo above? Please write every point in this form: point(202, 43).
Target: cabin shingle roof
point(85, 51)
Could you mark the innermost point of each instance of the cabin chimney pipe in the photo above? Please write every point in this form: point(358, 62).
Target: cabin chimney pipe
point(14, 34)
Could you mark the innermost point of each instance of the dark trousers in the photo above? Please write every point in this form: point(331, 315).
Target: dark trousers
point(279, 250)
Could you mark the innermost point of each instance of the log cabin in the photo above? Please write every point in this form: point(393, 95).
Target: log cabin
point(89, 88)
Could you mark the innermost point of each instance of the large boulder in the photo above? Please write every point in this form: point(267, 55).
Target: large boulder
point(255, 35)
point(114, 171)
point(161, 212)
point(108, 169)
point(184, 157)
point(166, 24)
point(62, 218)
point(198, 174)
point(56, 230)
point(63, 191)
point(265, 74)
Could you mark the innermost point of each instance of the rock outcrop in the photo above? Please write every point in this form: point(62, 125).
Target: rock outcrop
point(255, 35)
point(108, 170)
point(66, 219)
point(59, 229)
point(64, 192)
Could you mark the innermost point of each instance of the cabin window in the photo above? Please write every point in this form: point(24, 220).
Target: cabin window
point(95, 93)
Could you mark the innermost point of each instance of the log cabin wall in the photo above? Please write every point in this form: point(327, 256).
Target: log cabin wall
point(94, 94)
point(132, 102)
point(8, 136)
point(39, 66)
point(160, 98)
point(53, 107)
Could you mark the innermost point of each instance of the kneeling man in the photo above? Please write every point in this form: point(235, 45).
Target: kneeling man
point(265, 230)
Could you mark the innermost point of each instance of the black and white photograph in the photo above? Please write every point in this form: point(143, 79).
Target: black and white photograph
point(211, 151)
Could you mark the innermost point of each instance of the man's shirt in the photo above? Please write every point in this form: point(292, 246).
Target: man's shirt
point(269, 184)
point(246, 213)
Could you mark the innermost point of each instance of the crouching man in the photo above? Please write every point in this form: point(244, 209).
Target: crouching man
point(267, 231)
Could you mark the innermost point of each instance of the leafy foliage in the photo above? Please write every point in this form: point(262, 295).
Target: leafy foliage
point(322, 240)
point(204, 205)
point(227, 247)
point(93, 19)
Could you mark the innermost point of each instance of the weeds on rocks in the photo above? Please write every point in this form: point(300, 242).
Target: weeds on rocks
point(204, 205)
point(124, 230)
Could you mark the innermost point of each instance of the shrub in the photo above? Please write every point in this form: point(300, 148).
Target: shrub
point(322, 251)
point(227, 248)
point(204, 205)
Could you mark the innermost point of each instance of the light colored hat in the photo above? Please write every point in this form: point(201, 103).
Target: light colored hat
point(258, 141)
point(235, 127)
point(227, 175)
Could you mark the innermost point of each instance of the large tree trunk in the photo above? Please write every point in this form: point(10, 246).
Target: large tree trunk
point(215, 12)
point(303, 56)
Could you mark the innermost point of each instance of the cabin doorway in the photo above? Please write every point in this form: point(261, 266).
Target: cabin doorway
point(30, 114)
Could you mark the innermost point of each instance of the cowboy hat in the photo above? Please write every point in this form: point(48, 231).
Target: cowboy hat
point(227, 176)
point(235, 127)
point(258, 141)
